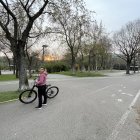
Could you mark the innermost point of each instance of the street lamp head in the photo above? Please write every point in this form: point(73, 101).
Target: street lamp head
point(45, 46)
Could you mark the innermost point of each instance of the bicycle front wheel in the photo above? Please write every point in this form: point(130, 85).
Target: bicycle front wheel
point(52, 92)
point(28, 96)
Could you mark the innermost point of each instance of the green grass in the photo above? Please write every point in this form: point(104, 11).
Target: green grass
point(7, 77)
point(82, 74)
point(8, 95)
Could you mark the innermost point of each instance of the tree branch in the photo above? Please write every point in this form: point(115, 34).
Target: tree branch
point(25, 8)
point(40, 11)
point(13, 16)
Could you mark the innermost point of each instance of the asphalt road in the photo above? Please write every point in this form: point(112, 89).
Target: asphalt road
point(85, 109)
point(13, 85)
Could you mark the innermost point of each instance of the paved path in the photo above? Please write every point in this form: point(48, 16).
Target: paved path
point(13, 85)
point(85, 109)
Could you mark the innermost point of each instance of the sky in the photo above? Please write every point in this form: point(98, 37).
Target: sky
point(114, 13)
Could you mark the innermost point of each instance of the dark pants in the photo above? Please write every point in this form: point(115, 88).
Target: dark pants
point(41, 92)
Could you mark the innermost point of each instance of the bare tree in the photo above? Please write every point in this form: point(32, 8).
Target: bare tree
point(104, 50)
point(93, 35)
point(70, 17)
point(17, 18)
point(127, 41)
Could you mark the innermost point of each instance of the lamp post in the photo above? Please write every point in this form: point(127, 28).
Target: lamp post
point(44, 46)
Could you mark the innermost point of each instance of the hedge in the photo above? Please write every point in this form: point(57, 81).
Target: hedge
point(56, 67)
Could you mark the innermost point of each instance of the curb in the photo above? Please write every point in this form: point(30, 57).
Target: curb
point(8, 101)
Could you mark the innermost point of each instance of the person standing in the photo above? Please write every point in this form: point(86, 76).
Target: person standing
point(41, 85)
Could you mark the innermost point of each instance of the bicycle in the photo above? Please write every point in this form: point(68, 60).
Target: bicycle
point(29, 95)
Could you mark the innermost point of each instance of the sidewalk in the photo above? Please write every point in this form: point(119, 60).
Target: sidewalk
point(13, 85)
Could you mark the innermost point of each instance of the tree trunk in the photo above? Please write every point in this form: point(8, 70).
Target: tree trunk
point(23, 81)
point(128, 67)
point(82, 63)
point(89, 61)
point(15, 59)
point(14, 66)
point(30, 72)
point(102, 63)
point(9, 64)
point(134, 65)
point(73, 64)
point(96, 63)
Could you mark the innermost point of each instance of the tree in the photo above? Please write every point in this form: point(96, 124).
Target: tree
point(17, 18)
point(103, 47)
point(127, 41)
point(96, 46)
point(70, 18)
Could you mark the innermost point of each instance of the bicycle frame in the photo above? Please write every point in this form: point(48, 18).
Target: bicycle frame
point(34, 85)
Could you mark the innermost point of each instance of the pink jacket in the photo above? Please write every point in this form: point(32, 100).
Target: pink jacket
point(42, 79)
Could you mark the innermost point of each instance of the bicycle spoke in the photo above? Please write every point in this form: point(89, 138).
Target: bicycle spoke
point(28, 96)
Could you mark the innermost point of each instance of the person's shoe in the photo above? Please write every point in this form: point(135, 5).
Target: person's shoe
point(44, 104)
point(38, 107)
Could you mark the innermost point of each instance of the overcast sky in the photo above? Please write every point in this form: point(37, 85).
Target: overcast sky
point(114, 13)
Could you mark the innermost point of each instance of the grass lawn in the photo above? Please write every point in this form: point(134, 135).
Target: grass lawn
point(82, 74)
point(7, 77)
point(8, 95)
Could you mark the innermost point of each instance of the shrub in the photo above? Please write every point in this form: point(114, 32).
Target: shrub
point(56, 66)
point(119, 67)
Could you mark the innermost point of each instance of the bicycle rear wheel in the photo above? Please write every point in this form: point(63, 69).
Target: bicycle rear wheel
point(52, 92)
point(28, 96)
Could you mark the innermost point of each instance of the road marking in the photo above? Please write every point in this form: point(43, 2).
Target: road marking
point(103, 88)
point(123, 119)
point(119, 100)
point(127, 94)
